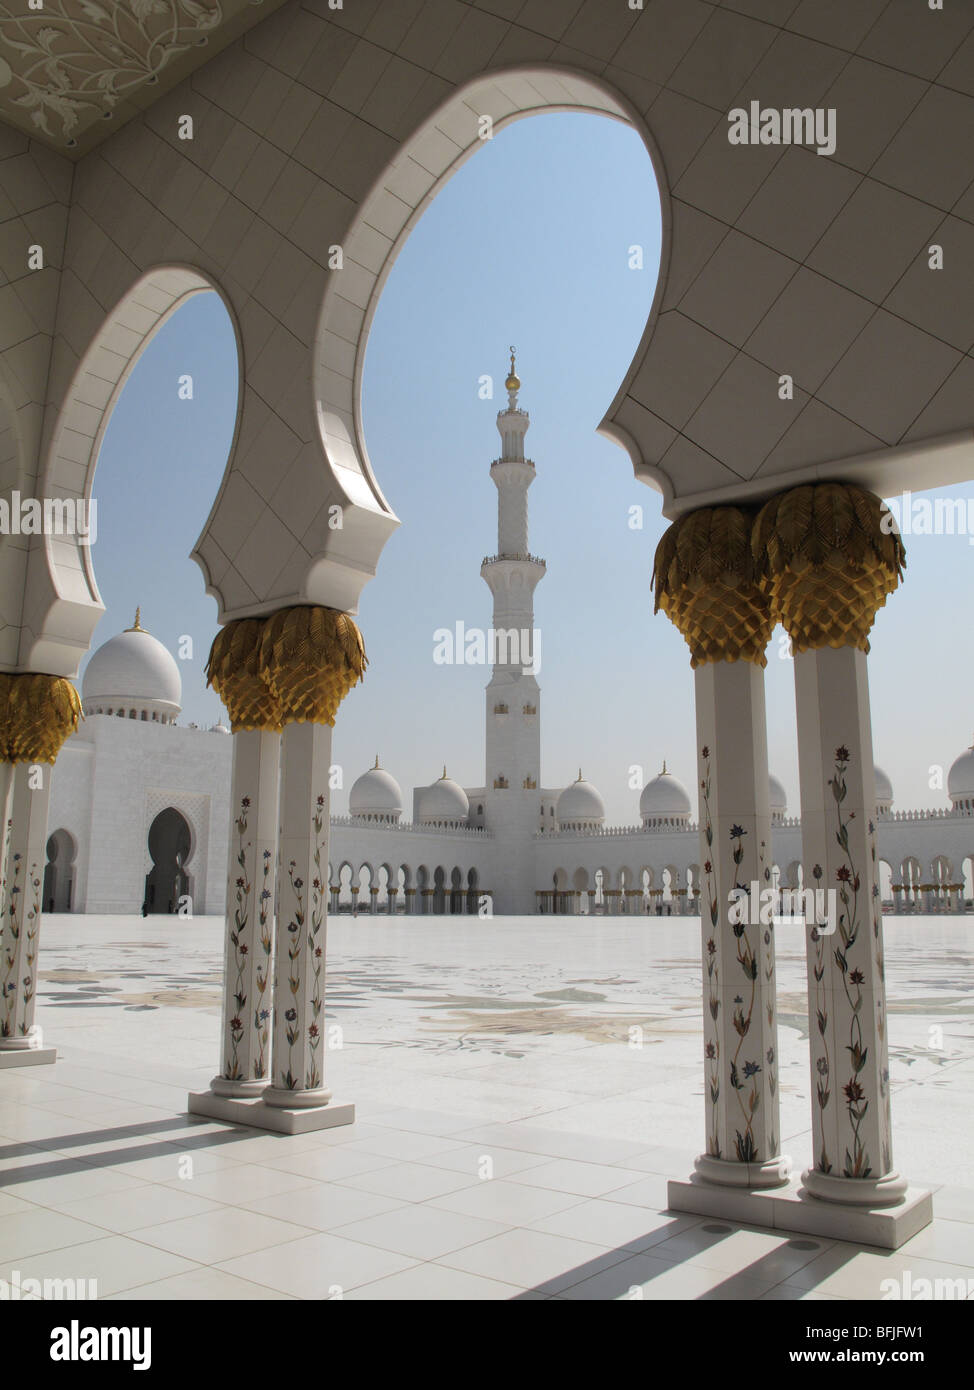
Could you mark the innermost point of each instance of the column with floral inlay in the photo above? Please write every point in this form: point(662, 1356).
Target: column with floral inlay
point(37, 713)
point(310, 659)
point(829, 557)
point(255, 720)
point(704, 582)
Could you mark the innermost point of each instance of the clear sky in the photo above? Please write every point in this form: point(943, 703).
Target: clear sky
point(528, 244)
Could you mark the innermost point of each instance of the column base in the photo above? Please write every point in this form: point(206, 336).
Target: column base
point(243, 1090)
point(725, 1172)
point(790, 1208)
point(257, 1114)
point(27, 1056)
point(855, 1192)
point(281, 1098)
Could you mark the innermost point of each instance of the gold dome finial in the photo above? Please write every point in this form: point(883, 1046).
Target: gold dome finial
point(137, 625)
point(513, 382)
point(580, 775)
point(443, 778)
point(663, 773)
point(376, 768)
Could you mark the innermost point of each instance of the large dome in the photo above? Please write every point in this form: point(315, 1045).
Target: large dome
point(375, 796)
point(133, 675)
point(580, 806)
point(444, 803)
point(884, 789)
point(960, 781)
point(664, 801)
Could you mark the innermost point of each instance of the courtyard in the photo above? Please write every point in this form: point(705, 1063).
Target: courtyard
point(521, 1089)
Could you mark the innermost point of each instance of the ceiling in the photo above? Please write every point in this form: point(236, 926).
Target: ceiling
point(74, 71)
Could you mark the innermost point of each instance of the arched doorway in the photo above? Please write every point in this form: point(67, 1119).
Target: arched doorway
point(59, 872)
point(170, 846)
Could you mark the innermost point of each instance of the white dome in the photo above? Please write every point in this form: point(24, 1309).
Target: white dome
point(884, 789)
point(133, 672)
point(376, 795)
point(960, 778)
point(219, 729)
point(580, 805)
point(777, 796)
point(664, 799)
point(444, 803)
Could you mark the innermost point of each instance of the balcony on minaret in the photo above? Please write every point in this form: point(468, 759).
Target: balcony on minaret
point(501, 784)
point(521, 555)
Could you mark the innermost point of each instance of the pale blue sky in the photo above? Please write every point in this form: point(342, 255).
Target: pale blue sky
point(528, 244)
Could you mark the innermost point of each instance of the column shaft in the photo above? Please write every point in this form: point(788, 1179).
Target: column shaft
point(245, 1038)
point(29, 798)
point(740, 1038)
point(299, 996)
point(847, 992)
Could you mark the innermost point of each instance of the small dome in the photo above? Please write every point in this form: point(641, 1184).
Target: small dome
point(664, 799)
point(777, 795)
point(580, 805)
point(219, 729)
point(960, 778)
point(133, 672)
point(443, 803)
point(376, 795)
point(884, 789)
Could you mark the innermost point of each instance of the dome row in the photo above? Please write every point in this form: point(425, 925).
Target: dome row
point(133, 673)
point(377, 796)
point(664, 803)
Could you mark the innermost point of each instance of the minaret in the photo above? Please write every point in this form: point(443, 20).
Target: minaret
point(513, 696)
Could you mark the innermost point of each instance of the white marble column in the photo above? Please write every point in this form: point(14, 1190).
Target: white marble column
point(6, 826)
point(28, 798)
point(743, 1130)
point(299, 992)
point(852, 1141)
point(248, 959)
point(829, 558)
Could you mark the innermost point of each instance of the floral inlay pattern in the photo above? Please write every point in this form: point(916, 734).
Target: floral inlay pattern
point(17, 957)
point(857, 1162)
point(262, 1014)
point(295, 930)
point(239, 943)
point(712, 965)
point(315, 953)
point(742, 1070)
point(823, 1062)
point(70, 64)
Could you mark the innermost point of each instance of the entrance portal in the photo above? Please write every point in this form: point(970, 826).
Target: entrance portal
point(170, 843)
point(59, 872)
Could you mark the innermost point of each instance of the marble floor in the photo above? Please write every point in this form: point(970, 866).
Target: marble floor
point(524, 1088)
